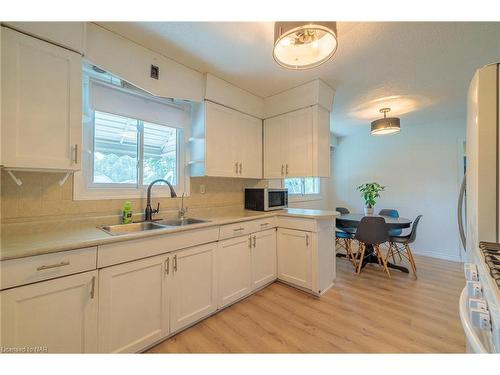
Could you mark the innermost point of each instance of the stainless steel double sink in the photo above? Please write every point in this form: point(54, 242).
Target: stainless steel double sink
point(143, 226)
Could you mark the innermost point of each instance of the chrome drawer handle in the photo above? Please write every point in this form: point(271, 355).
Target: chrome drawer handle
point(264, 224)
point(92, 288)
point(238, 229)
point(46, 267)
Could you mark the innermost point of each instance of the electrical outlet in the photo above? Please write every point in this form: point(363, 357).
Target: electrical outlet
point(155, 72)
point(202, 189)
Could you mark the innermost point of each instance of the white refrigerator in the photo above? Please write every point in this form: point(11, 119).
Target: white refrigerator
point(480, 300)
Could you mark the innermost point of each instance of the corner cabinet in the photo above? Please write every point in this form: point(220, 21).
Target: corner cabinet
point(41, 105)
point(306, 253)
point(55, 316)
point(297, 144)
point(225, 143)
point(295, 255)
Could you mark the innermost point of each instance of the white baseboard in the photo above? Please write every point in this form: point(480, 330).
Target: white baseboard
point(438, 254)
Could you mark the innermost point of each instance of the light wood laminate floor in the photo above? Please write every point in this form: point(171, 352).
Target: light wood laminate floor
point(369, 313)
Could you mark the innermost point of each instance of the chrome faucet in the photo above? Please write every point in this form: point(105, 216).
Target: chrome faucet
point(183, 210)
point(148, 214)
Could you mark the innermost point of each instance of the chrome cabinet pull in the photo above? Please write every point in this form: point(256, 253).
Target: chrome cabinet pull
point(287, 169)
point(46, 267)
point(264, 224)
point(250, 242)
point(175, 263)
point(307, 240)
point(238, 229)
point(254, 241)
point(92, 288)
point(241, 167)
point(167, 265)
point(236, 167)
point(282, 169)
point(75, 156)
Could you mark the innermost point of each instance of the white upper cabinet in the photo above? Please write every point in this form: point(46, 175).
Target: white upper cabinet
point(55, 316)
point(42, 113)
point(70, 35)
point(232, 143)
point(297, 144)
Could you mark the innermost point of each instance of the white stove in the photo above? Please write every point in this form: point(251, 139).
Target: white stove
point(480, 301)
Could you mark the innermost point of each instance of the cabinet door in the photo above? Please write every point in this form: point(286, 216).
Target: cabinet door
point(263, 258)
point(55, 316)
point(250, 146)
point(300, 143)
point(295, 257)
point(275, 146)
point(321, 142)
point(42, 114)
point(68, 34)
point(233, 270)
point(222, 153)
point(193, 287)
point(133, 310)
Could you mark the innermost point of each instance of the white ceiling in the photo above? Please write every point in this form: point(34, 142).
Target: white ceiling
point(421, 70)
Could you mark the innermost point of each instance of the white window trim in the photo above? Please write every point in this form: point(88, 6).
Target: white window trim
point(85, 189)
point(293, 198)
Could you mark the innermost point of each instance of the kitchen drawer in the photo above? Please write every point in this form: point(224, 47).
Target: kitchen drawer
point(237, 229)
point(29, 270)
point(263, 224)
point(298, 223)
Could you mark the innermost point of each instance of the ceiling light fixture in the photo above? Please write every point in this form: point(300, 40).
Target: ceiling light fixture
point(386, 125)
point(304, 45)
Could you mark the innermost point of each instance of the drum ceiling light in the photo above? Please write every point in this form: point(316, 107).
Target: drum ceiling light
point(386, 125)
point(304, 45)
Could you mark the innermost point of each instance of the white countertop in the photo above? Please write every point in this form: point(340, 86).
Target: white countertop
point(30, 239)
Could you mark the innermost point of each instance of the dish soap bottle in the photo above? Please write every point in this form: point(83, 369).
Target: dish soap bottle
point(127, 212)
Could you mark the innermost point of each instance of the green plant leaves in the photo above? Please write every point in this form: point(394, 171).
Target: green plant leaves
point(369, 192)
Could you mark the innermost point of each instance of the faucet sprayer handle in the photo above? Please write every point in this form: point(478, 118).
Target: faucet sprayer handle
point(157, 208)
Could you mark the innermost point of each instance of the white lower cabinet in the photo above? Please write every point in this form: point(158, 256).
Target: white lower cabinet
point(193, 286)
point(295, 257)
point(133, 308)
point(234, 274)
point(263, 258)
point(244, 264)
point(55, 316)
point(145, 300)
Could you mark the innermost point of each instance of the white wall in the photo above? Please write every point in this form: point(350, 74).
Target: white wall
point(421, 167)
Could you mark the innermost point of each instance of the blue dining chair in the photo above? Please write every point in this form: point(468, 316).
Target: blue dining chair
point(391, 213)
point(344, 236)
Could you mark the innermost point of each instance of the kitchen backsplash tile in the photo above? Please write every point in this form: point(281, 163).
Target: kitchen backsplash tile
point(40, 197)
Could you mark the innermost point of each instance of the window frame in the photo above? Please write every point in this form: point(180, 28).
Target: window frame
point(84, 188)
point(294, 197)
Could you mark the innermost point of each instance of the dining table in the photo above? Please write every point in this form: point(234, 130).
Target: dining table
point(352, 220)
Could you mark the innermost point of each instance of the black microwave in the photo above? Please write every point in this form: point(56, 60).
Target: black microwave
point(265, 199)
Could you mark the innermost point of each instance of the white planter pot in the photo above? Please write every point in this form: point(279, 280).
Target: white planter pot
point(368, 210)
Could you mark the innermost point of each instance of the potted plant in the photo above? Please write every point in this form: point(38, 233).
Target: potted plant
point(370, 192)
